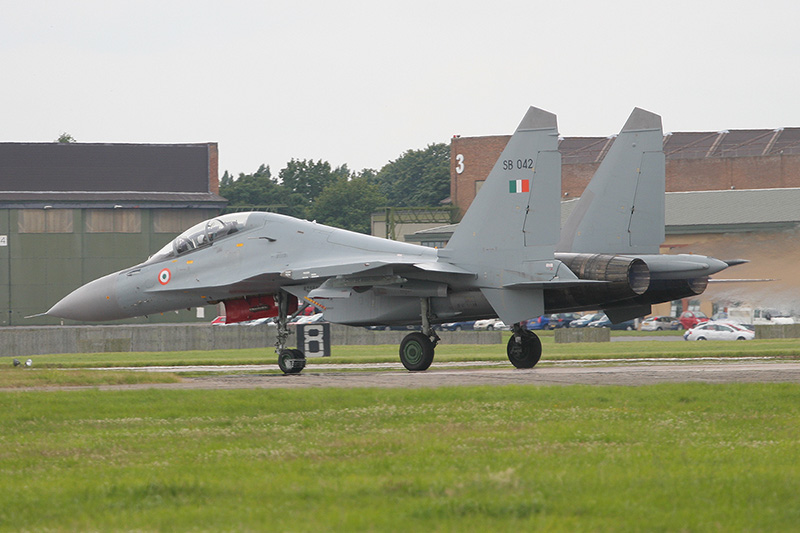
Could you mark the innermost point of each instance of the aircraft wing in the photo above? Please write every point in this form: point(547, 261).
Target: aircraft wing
point(321, 271)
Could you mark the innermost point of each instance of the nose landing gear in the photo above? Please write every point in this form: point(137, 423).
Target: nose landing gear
point(290, 360)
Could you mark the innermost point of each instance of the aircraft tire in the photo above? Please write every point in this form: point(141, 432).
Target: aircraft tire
point(291, 361)
point(416, 352)
point(527, 353)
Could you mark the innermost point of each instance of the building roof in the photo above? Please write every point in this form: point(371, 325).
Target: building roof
point(99, 200)
point(693, 145)
point(27, 167)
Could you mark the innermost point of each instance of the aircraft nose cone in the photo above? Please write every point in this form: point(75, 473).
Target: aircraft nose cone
point(94, 302)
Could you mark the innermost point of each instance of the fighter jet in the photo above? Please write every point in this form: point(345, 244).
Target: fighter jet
point(500, 262)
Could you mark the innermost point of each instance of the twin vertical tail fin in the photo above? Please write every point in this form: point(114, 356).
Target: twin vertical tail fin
point(622, 209)
point(518, 207)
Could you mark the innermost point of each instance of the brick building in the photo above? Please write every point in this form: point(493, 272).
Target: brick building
point(696, 161)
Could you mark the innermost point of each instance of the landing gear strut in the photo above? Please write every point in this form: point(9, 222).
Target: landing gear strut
point(417, 349)
point(524, 347)
point(290, 361)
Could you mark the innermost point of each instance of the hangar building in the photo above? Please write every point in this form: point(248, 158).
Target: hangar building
point(72, 212)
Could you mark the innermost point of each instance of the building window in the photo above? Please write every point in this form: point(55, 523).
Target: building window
point(113, 221)
point(176, 220)
point(44, 221)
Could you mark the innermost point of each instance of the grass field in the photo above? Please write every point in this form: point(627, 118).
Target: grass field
point(660, 458)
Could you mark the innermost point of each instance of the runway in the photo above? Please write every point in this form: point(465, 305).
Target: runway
point(627, 374)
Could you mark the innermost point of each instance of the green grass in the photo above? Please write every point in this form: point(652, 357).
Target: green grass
point(662, 458)
point(83, 378)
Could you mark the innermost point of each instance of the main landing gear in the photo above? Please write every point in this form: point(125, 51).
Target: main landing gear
point(417, 349)
point(290, 360)
point(524, 347)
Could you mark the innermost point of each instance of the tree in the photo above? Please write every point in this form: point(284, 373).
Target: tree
point(418, 178)
point(260, 189)
point(308, 178)
point(226, 180)
point(348, 203)
point(65, 138)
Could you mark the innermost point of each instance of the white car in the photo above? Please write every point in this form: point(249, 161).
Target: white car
point(658, 323)
point(719, 331)
point(490, 324)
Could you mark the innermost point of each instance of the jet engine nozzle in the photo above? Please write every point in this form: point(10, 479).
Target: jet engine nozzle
point(629, 271)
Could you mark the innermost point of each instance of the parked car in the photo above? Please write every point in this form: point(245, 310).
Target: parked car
point(584, 321)
point(490, 324)
point(659, 323)
point(562, 320)
point(605, 322)
point(690, 319)
point(542, 322)
point(771, 317)
point(719, 331)
point(457, 326)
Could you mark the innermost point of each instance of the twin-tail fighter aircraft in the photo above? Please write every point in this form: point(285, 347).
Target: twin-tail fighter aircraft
point(508, 258)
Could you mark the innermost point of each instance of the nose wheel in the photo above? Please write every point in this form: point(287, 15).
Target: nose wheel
point(291, 361)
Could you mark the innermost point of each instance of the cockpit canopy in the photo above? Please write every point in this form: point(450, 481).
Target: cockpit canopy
point(203, 234)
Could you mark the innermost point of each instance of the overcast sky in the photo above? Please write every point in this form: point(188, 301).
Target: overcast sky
point(361, 82)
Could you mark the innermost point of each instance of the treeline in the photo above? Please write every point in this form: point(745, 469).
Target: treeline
point(340, 197)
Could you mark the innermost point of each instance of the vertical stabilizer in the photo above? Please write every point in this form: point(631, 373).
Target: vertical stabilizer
point(622, 209)
point(517, 208)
